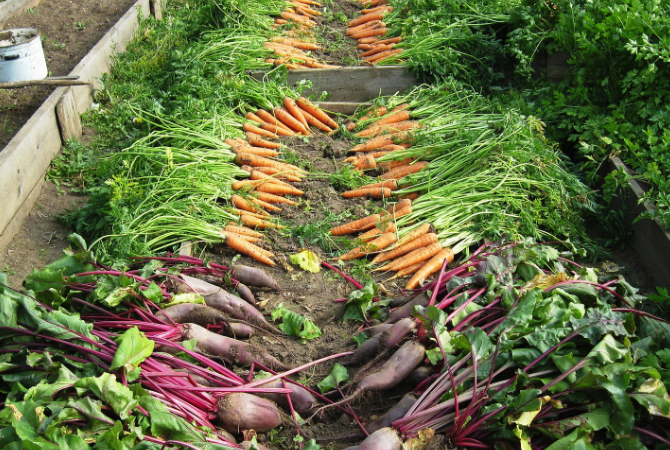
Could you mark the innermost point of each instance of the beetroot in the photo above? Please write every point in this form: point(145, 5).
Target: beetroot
point(204, 315)
point(232, 350)
point(395, 370)
point(396, 412)
point(386, 340)
point(241, 411)
point(252, 277)
point(223, 301)
point(301, 399)
point(405, 310)
point(383, 439)
point(245, 293)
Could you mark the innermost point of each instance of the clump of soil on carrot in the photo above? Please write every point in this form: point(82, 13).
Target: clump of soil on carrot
point(339, 48)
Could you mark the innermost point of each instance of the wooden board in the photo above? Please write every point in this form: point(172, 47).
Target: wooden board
point(26, 158)
point(347, 108)
point(650, 240)
point(352, 84)
point(69, 122)
point(10, 7)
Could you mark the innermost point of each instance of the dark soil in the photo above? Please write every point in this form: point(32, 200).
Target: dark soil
point(68, 30)
point(339, 49)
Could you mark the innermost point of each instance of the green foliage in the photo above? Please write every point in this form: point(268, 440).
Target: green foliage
point(295, 325)
point(337, 375)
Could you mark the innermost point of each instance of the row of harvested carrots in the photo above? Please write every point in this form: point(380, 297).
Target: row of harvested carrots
point(369, 29)
point(418, 252)
point(291, 48)
point(257, 197)
point(389, 133)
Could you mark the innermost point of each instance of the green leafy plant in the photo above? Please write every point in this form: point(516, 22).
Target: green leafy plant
point(295, 325)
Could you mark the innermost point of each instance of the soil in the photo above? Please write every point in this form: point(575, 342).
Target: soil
point(339, 49)
point(69, 29)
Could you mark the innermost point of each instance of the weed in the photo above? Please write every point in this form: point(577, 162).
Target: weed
point(30, 10)
point(79, 25)
point(348, 178)
point(9, 270)
point(57, 45)
point(341, 17)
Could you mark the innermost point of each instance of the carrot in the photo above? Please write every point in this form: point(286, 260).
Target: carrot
point(258, 175)
point(304, 9)
point(276, 129)
point(394, 40)
point(277, 62)
point(296, 18)
point(254, 117)
point(288, 120)
point(375, 192)
point(383, 55)
point(377, 15)
point(283, 50)
point(366, 162)
point(278, 189)
point(368, 32)
point(243, 231)
point(367, 40)
point(357, 225)
point(395, 117)
point(365, 26)
point(260, 161)
point(249, 128)
point(316, 122)
point(430, 267)
point(256, 222)
point(350, 125)
point(314, 64)
point(415, 234)
point(398, 206)
point(418, 255)
point(375, 245)
point(244, 204)
point(278, 174)
point(378, 142)
point(310, 2)
point(377, 48)
point(269, 118)
point(256, 151)
point(271, 198)
point(408, 270)
point(248, 249)
point(390, 148)
point(386, 166)
point(239, 212)
point(391, 184)
point(246, 185)
point(410, 196)
point(293, 108)
point(224, 234)
point(265, 205)
point(403, 171)
point(378, 8)
point(389, 128)
point(381, 228)
point(258, 141)
point(422, 241)
point(376, 112)
point(280, 21)
point(316, 112)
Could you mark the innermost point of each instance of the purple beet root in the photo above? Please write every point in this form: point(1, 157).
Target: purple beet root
point(252, 277)
point(405, 310)
point(241, 411)
point(245, 293)
point(204, 315)
point(382, 439)
point(301, 399)
point(386, 340)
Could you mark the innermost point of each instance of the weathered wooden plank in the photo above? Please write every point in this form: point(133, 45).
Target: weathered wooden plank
point(26, 158)
point(99, 59)
point(650, 240)
point(14, 226)
point(157, 9)
point(10, 7)
point(352, 84)
point(69, 122)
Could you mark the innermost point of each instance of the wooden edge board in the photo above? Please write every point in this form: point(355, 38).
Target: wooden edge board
point(352, 84)
point(650, 240)
point(346, 108)
point(26, 158)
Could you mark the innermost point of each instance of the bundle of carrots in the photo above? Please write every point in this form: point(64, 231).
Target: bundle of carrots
point(418, 252)
point(369, 29)
point(291, 47)
point(268, 184)
point(388, 133)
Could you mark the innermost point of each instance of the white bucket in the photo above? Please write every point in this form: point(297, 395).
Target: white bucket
point(21, 55)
